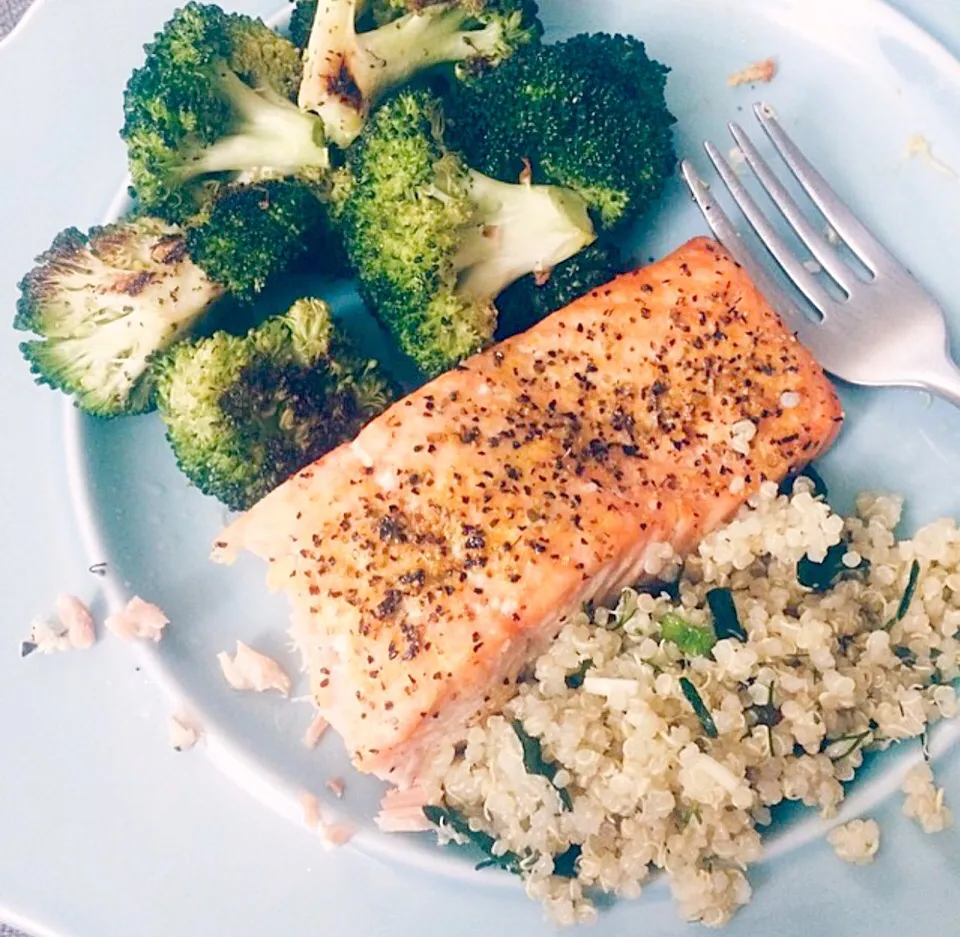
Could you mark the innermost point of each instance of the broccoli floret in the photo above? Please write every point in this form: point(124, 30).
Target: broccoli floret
point(253, 232)
point(301, 21)
point(529, 300)
point(346, 72)
point(588, 113)
point(211, 102)
point(434, 242)
point(104, 304)
point(245, 413)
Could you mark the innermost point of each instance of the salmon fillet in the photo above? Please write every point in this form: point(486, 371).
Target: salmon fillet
point(430, 559)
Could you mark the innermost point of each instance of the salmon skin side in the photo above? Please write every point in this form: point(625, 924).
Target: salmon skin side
point(428, 561)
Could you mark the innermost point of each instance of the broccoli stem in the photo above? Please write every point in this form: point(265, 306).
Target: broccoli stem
point(518, 229)
point(417, 41)
point(271, 133)
point(346, 72)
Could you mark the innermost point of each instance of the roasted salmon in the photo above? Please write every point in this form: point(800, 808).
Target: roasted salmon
point(430, 559)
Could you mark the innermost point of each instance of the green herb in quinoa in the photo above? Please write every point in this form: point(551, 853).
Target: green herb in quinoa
point(575, 680)
point(703, 714)
point(726, 622)
point(823, 575)
point(535, 762)
point(447, 816)
point(693, 640)
point(909, 592)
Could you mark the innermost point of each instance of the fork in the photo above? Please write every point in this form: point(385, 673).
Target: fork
point(878, 329)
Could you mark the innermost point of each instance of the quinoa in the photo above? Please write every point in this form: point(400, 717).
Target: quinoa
point(665, 761)
point(856, 841)
point(924, 800)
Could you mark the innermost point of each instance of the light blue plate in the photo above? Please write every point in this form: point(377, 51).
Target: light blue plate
point(856, 82)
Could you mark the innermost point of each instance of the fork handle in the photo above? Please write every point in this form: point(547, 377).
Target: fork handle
point(944, 381)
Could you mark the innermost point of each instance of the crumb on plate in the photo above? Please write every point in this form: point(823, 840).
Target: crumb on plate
point(138, 619)
point(764, 71)
point(250, 670)
point(311, 809)
point(77, 621)
point(184, 733)
point(314, 731)
point(333, 835)
point(44, 638)
point(736, 159)
point(918, 146)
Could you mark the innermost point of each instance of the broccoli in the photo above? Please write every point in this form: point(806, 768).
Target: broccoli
point(433, 242)
point(244, 413)
point(104, 304)
point(530, 299)
point(370, 13)
point(588, 113)
point(213, 102)
point(346, 72)
point(252, 232)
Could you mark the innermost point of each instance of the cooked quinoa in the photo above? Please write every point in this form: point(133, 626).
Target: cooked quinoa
point(857, 841)
point(623, 755)
point(924, 800)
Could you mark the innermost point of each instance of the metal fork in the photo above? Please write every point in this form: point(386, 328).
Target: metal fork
point(881, 330)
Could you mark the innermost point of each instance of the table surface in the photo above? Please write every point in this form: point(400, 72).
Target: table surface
point(123, 710)
point(10, 13)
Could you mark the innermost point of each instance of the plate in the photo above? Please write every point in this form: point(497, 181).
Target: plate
point(856, 82)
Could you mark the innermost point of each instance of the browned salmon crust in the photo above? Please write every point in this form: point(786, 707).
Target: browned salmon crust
point(430, 559)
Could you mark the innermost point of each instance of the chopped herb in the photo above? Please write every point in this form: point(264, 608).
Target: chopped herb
point(565, 864)
point(575, 680)
point(765, 714)
point(535, 763)
point(855, 742)
point(821, 576)
point(925, 745)
point(670, 589)
point(446, 816)
point(693, 640)
point(702, 713)
point(687, 813)
point(726, 622)
point(626, 608)
point(905, 654)
point(909, 592)
point(27, 648)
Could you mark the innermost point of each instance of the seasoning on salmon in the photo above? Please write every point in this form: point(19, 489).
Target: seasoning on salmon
point(434, 556)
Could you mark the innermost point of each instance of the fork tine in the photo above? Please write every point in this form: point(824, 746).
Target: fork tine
point(826, 254)
point(851, 231)
point(727, 234)
point(776, 245)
